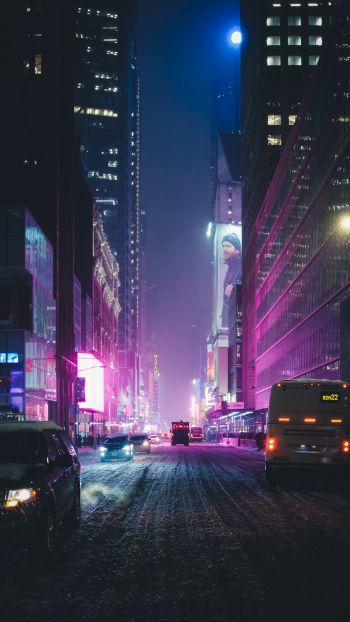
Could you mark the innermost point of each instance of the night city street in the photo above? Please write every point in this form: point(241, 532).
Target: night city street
point(190, 534)
point(175, 311)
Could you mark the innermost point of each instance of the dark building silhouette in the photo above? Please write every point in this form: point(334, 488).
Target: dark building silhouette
point(40, 159)
point(283, 42)
point(301, 273)
point(106, 107)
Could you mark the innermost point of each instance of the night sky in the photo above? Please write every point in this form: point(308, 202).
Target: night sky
point(182, 48)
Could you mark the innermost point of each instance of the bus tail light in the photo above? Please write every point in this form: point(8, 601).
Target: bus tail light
point(283, 419)
point(309, 420)
point(336, 421)
point(345, 446)
point(271, 444)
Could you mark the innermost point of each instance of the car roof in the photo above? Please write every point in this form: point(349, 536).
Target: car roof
point(138, 434)
point(116, 436)
point(28, 426)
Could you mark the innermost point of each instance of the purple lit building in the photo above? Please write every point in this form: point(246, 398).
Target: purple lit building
point(302, 271)
point(283, 42)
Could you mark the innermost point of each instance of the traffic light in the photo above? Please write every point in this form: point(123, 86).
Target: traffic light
point(80, 390)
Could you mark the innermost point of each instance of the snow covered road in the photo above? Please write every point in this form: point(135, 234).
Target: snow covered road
point(190, 534)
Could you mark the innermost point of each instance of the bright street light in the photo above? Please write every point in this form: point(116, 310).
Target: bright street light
point(344, 222)
point(235, 37)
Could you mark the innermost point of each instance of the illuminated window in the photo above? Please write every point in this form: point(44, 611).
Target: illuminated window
point(273, 61)
point(275, 40)
point(294, 40)
point(294, 20)
point(100, 112)
point(274, 20)
point(313, 59)
point(38, 64)
point(315, 20)
point(274, 119)
point(292, 119)
point(315, 40)
point(112, 163)
point(274, 140)
point(294, 60)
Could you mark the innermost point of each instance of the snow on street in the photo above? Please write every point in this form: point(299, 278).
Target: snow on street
point(190, 534)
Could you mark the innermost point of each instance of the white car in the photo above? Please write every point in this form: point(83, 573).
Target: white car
point(154, 439)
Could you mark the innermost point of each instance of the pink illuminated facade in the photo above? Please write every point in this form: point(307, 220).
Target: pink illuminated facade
point(105, 321)
point(90, 368)
point(302, 271)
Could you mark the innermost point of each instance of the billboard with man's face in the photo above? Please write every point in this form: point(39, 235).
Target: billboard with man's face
point(228, 269)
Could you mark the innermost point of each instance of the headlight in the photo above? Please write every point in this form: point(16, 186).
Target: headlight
point(128, 448)
point(103, 450)
point(15, 497)
point(145, 444)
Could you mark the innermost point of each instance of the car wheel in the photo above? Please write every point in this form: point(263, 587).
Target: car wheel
point(73, 519)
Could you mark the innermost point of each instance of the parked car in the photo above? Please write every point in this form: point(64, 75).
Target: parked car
point(140, 443)
point(116, 447)
point(39, 483)
point(154, 439)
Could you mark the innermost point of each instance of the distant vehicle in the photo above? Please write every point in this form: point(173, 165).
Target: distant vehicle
point(308, 426)
point(39, 483)
point(154, 439)
point(196, 435)
point(140, 443)
point(180, 432)
point(116, 447)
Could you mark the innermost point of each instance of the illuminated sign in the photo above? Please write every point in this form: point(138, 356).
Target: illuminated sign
point(90, 368)
point(9, 357)
point(228, 269)
point(330, 396)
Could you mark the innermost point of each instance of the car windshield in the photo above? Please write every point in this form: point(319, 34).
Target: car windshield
point(21, 447)
point(115, 439)
point(139, 438)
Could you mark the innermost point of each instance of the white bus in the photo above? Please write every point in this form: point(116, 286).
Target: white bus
point(308, 426)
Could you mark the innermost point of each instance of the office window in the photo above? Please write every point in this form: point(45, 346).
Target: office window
point(292, 119)
point(274, 20)
point(38, 64)
point(275, 140)
point(275, 40)
point(313, 59)
point(294, 60)
point(274, 119)
point(294, 40)
point(273, 60)
point(315, 40)
point(294, 20)
point(315, 20)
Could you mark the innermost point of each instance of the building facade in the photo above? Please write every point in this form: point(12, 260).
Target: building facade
point(27, 319)
point(283, 42)
point(106, 110)
point(302, 271)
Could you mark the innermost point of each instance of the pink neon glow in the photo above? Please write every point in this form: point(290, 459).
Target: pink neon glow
point(90, 368)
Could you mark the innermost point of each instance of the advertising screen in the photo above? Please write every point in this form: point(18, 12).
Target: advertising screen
point(228, 269)
point(90, 368)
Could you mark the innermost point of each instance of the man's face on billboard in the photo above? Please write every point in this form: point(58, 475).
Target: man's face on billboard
point(229, 250)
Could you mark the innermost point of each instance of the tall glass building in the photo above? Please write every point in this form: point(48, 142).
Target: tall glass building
point(27, 319)
point(106, 110)
point(302, 270)
point(283, 42)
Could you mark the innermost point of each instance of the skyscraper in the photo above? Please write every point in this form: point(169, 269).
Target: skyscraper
point(283, 43)
point(107, 121)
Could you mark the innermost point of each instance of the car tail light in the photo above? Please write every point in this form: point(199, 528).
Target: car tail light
point(271, 443)
point(345, 446)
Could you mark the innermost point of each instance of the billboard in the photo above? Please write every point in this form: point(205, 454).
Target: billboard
point(90, 368)
point(228, 270)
